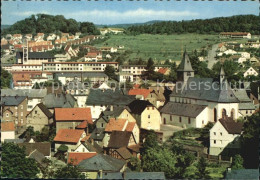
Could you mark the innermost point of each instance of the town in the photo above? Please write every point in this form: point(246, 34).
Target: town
point(72, 109)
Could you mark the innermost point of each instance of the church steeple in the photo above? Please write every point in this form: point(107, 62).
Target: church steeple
point(185, 70)
point(222, 75)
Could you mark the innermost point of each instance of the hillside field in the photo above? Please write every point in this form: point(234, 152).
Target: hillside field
point(160, 47)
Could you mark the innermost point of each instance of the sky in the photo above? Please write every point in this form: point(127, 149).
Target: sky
point(125, 11)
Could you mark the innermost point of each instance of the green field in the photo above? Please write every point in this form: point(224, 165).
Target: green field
point(160, 47)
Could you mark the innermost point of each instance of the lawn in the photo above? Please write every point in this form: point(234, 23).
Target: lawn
point(160, 47)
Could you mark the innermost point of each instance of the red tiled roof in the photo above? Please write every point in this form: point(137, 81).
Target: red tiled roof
point(115, 125)
point(136, 86)
point(21, 77)
point(68, 135)
point(17, 35)
point(7, 126)
point(163, 70)
point(82, 125)
point(76, 157)
point(144, 92)
point(17, 46)
point(73, 114)
point(130, 126)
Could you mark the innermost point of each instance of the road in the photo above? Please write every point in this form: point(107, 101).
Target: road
point(211, 56)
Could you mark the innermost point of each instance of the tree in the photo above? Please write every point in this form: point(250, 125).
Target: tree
point(204, 134)
point(5, 79)
point(237, 162)
point(202, 173)
point(69, 171)
point(150, 141)
point(150, 65)
point(14, 163)
point(250, 141)
point(110, 72)
point(134, 164)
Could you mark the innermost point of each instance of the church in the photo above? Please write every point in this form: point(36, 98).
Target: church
point(196, 101)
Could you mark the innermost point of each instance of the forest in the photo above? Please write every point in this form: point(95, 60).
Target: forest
point(241, 23)
point(50, 24)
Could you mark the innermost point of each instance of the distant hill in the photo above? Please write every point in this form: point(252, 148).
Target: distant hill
point(126, 25)
point(240, 23)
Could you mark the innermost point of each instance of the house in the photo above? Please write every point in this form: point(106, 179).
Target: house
point(42, 147)
point(35, 96)
point(34, 58)
point(93, 56)
point(4, 41)
point(224, 136)
point(51, 37)
point(59, 100)
point(134, 175)
point(62, 57)
point(89, 145)
point(251, 72)
point(254, 60)
point(230, 52)
point(125, 76)
point(69, 137)
point(93, 167)
point(246, 106)
point(75, 158)
point(185, 115)
point(14, 109)
point(21, 81)
point(146, 114)
point(222, 47)
point(164, 71)
point(100, 99)
point(6, 48)
point(70, 118)
point(194, 92)
point(17, 37)
point(39, 117)
point(108, 49)
point(245, 54)
point(7, 130)
point(29, 37)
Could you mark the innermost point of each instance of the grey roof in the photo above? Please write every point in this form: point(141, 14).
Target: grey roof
point(83, 74)
point(38, 157)
point(180, 109)
point(14, 141)
point(99, 131)
point(43, 147)
point(93, 147)
point(138, 106)
point(119, 139)
point(205, 89)
point(12, 100)
point(59, 100)
point(241, 95)
point(108, 97)
point(30, 93)
point(185, 64)
point(134, 175)
point(243, 174)
point(246, 106)
point(101, 162)
point(115, 113)
point(35, 55)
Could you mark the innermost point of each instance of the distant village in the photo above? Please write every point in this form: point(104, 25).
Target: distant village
point(101, 127)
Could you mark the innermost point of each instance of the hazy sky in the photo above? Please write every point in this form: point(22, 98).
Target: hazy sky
point(118, 12)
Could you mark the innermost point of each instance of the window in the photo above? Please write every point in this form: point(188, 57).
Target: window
point(35, 112)
point(215, 141)
point(149, 116)
point(180, 119)
point(220, 142)
point(102, 124)
point(189, 120)
point(7, 114)
point(147, 108)
point(246, 111)
point(221, 134)
point(170, 117)
point(202, 121)
point(214, 133)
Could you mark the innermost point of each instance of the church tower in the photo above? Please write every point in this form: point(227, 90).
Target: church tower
point(185, 70)
point(222, 75)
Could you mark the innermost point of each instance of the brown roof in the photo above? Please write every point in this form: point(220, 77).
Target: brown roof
point(235, 33)
point(231, 126)
point(21, 77)
point(82, 125)
point(135, 148)
point(42, 147)
point(163, 70)
point(119, 139)
point(76, 157)
point(68, 135)
point(130, 126)
point(7, 126)
point(143, 92)
point(73, 114)
point(124, 153)
point(45, 110)
point(115, 125)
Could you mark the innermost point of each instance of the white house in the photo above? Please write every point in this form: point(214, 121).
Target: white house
point(245, 55)
point(241, 60)
point(7, 130)
point(230, 52)
point(251, 72)
point(225, 135)
point(124, 76)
